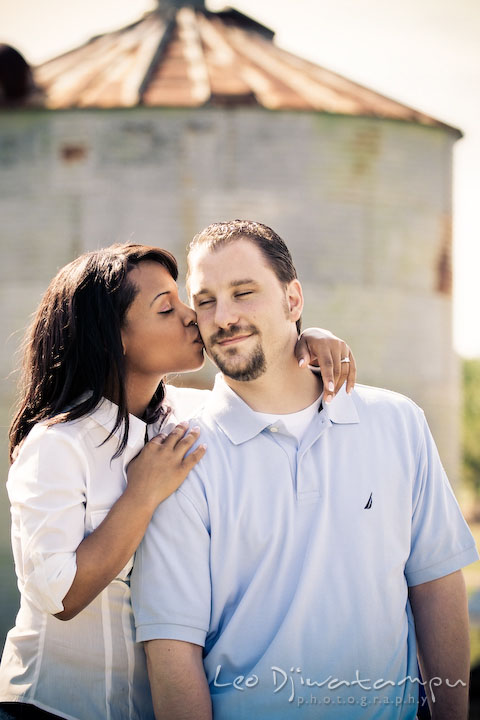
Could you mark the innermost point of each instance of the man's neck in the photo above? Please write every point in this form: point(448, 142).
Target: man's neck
point(281, 390)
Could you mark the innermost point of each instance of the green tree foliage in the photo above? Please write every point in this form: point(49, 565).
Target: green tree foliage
point(471, 422)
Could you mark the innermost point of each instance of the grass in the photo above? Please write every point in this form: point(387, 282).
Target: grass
point(472, 579)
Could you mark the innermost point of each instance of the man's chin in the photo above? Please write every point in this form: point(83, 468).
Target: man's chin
point(241, 370)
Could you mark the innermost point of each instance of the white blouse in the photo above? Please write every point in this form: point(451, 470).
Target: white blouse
point(61, 486)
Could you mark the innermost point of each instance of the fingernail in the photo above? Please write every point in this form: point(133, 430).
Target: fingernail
point(195, 429)
point(328, 399)
point(301, 362)
point(331, 386)
point(349, 391)
point(204, 446)
point(183, 424)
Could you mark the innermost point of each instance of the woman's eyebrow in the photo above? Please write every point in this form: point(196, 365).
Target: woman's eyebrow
point(165, 292)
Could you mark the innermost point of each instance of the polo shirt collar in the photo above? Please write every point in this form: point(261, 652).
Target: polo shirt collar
point(237, 420)
point(342, 410)
point(240, 423)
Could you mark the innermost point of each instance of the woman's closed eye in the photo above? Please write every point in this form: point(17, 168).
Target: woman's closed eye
point(165, 312)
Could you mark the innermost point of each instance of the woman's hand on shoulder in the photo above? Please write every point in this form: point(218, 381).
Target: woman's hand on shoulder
point(163, 464)
point(153, 475)
point(323, 352)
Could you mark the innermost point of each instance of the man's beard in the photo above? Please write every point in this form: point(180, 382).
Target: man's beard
point(253, 366)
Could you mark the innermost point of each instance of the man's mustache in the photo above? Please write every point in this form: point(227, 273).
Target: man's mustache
point(232, 332)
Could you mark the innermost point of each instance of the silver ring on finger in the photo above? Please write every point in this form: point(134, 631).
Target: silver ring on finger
point(345, 359)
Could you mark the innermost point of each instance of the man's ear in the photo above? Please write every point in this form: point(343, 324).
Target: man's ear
point(294, 300)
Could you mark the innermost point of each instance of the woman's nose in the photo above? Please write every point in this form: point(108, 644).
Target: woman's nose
point(190, 316)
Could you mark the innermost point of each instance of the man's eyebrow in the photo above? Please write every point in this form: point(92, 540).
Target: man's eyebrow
point(234, 283)
point(247, 281)
point(165, 292)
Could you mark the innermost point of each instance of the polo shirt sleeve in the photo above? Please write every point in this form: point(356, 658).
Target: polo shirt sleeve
point(171, 591)
point(46, 488)
point(441, 541)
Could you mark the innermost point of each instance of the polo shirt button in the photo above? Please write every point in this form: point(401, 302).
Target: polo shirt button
point(273, 429)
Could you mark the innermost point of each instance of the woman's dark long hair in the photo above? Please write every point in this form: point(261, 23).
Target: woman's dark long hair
point(74, 343)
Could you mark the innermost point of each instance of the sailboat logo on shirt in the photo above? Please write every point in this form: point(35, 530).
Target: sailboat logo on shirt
point(369, 502)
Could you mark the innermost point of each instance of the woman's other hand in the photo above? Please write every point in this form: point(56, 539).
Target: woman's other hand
point(163, 464)
point(323, 352)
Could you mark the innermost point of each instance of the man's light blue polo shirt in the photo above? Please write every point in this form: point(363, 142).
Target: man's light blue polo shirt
point(291, 565)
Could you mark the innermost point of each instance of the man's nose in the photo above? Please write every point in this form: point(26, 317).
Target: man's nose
point(225, 314)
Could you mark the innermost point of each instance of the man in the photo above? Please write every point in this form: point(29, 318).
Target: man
point(287, 572)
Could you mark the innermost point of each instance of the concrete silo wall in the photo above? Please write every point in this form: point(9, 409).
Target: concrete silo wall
point(364, 204)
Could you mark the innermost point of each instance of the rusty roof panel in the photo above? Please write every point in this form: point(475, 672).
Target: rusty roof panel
point(105, 72)
point(170, 79)
point(181, 56)
point(368, 101)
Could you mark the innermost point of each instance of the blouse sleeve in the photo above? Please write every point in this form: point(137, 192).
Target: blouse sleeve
point(47, 491)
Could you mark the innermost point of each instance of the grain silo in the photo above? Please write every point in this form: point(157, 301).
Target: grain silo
point(190, 116)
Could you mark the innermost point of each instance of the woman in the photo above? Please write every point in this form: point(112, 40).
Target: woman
point(108, 330)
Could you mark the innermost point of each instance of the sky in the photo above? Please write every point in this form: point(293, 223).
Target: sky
point(424, 53)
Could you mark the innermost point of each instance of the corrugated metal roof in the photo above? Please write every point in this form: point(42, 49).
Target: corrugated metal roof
point(185, 56)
